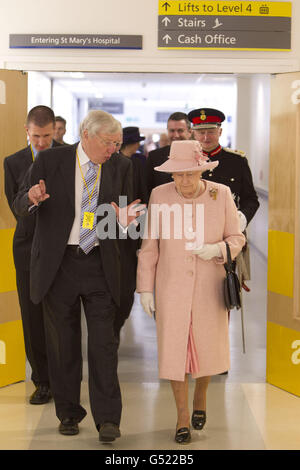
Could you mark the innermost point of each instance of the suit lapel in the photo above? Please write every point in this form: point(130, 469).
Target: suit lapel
point(107, 181)
point(68, 165)
point(27, 160)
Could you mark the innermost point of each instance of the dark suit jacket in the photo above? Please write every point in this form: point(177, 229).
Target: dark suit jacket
point(15, 169)
point(155, 158)
point(55, 216)
point(140, 190)
point(129, 247)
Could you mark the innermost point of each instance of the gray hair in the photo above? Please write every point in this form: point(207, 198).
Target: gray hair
point(98, 120)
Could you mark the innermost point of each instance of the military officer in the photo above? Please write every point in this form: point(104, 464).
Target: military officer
point(233, 169)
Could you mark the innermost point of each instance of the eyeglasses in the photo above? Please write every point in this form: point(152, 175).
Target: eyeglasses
point(109, 143)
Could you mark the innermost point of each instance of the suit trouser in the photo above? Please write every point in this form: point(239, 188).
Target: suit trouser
point(33, 329)
point(82, 277)
point(123, 312)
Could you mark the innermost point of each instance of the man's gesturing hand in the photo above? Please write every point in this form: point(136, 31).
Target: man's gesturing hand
point(37, 193)
point(127, 215)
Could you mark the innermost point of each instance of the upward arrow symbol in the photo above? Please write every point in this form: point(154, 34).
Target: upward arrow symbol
point(166, 5)
point(167, 38)
point(166, 20)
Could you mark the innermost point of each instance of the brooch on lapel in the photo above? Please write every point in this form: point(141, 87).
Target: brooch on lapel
point(213, 192)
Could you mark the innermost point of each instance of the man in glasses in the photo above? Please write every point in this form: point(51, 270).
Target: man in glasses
point(72, 263)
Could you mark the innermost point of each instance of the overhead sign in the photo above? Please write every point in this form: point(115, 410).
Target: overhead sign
point(75, 41)
point(221, 25)
point(162, 116)
point(109, 107)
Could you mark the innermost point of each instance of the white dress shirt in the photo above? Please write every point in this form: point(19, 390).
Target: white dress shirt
point(84, 161)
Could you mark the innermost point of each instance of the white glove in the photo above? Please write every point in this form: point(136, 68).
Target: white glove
point(243, 221)
point(147, 301)
point(208, 251)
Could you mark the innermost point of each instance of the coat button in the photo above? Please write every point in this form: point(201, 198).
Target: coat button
point(190, 273)
point(190, 259)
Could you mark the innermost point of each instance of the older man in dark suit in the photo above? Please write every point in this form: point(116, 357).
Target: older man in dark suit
point(40, 130)
point(70, 263)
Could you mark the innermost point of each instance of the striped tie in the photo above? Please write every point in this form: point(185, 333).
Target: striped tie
point(89, 205)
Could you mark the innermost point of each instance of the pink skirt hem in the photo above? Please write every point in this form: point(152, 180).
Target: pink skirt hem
point(192, 363)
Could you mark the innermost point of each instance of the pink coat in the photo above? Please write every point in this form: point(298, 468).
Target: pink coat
point(189, 290)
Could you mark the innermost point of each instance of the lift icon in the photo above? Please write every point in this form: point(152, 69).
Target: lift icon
point(264, 10)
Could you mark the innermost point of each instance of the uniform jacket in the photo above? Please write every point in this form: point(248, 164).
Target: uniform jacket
point(55, 216)
point(233, 171)
point(188, 290)
point(15, 169)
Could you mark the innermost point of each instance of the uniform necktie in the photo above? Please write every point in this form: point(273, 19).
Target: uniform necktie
point(88, 236)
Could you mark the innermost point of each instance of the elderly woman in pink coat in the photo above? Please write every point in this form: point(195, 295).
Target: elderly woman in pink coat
point(180, 276)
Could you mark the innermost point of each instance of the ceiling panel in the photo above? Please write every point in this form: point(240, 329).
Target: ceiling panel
point(138, 85)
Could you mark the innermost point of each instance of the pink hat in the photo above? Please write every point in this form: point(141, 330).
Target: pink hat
point(186, 155)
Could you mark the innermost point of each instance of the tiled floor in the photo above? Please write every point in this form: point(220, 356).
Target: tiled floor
point(243, 411)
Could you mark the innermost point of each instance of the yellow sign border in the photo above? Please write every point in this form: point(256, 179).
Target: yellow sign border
point(222, 49)
point(282, 9)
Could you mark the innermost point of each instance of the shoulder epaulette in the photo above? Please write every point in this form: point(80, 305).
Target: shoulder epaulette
point(236, 152)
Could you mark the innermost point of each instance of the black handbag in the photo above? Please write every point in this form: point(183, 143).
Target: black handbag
point(232, 288)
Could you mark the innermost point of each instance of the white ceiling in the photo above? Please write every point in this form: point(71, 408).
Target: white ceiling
point(144, 86)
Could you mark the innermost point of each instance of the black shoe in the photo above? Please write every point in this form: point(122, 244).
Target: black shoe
point(68, 427)
point(198, 419)
point(41, 395)
point(108, 432)
point(183, 436)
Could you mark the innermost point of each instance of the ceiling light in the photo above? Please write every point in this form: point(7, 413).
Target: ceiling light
point(77, 75)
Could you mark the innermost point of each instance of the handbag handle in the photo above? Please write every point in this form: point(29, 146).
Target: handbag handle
point(228, 264)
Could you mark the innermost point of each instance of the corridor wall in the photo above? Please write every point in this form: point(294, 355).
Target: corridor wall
point(283, 326)
point(13, 110)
